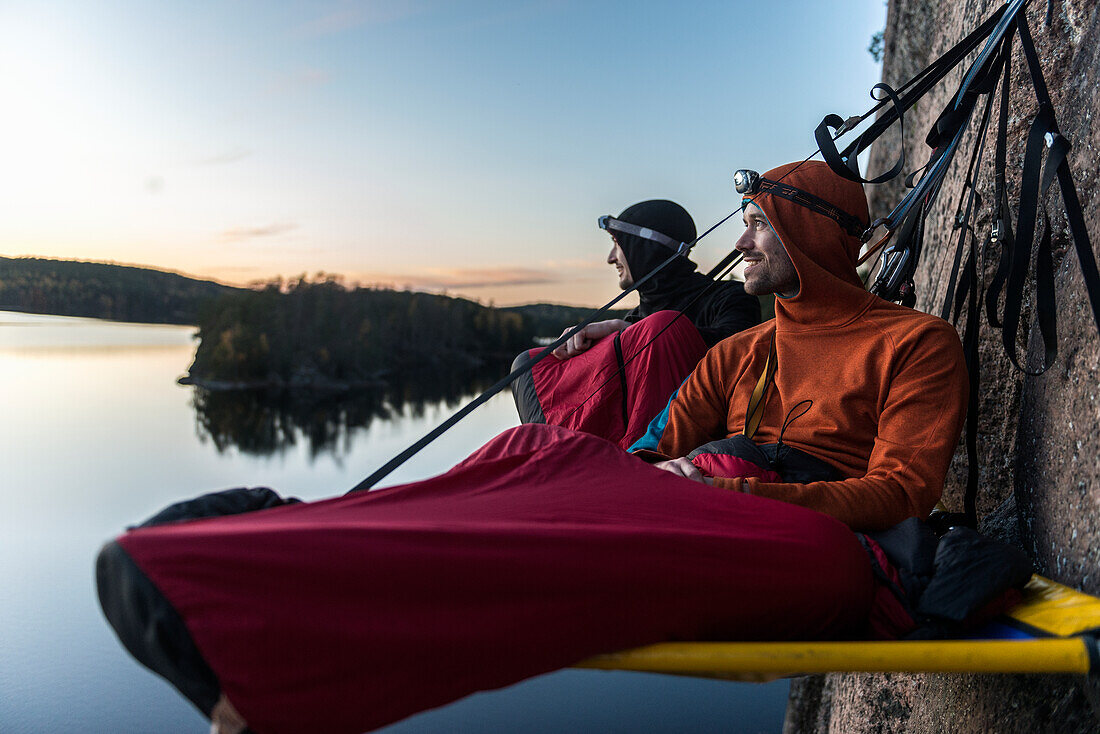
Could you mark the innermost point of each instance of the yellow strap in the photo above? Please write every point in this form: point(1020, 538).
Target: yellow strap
point(755, 412)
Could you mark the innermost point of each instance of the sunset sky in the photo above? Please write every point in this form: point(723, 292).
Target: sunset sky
point(458, 146)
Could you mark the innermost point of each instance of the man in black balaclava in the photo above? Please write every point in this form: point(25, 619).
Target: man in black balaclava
point(643, 237)
point(610, 380)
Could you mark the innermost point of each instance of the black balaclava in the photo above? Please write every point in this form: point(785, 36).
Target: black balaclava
point(642, 255)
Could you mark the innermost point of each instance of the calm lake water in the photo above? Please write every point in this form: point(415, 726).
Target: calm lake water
point(97, 434)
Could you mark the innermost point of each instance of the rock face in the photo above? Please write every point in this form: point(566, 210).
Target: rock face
point(1039, 437)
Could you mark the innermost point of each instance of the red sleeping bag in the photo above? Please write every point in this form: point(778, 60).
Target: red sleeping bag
point(591, 393)
point(543, 548)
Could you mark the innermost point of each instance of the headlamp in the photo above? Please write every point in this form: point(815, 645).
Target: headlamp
point(748, 183)
point(610, 223)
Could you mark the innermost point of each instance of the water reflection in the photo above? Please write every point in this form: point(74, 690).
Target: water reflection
point(107, 434)
point(263, 422)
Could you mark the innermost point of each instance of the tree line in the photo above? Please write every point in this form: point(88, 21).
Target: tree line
point(103, 291)
point(320, 334)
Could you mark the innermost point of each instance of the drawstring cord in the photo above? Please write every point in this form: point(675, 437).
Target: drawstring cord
point(786, 422)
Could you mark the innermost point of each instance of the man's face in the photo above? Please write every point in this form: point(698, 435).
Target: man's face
point(618, 258)
point(768, 267)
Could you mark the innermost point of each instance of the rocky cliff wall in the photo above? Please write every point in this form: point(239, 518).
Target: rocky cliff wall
point(1039, 437)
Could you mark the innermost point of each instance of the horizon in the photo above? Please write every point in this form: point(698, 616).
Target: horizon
point(306, 277)
point(404, 143)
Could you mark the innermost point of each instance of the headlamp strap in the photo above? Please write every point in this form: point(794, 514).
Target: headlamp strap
point(609, 223)
point(851, 224)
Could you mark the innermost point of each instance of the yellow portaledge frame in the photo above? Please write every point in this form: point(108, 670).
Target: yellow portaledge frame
point(1048, 607)
point(766, 660)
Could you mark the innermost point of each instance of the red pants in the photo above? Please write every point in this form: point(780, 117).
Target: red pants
point(586, 393)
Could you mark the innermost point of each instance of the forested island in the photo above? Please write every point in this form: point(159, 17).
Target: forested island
point(103, 291)
point(320, 334)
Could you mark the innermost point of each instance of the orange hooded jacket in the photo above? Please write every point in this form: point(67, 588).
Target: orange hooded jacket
point(888, 384)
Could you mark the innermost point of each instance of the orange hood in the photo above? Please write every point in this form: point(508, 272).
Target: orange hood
point(824, 255)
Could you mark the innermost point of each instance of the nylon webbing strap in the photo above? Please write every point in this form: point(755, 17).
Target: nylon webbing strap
point(622, 376)
point(851, 224)
point(1002, 227)
point(1037, 177)
point(973, 369)
point(1020, 261)
point(901, 101)
point(962, 217)
point(1033, 190)
point(968, 292)
point(848, 166)
point(755, 412)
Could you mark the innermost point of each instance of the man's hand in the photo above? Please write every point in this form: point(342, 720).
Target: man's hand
point(586, 337)
point(684, 468)
point(225, 719)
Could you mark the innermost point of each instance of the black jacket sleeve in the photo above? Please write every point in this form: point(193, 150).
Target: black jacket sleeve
point(727, 311)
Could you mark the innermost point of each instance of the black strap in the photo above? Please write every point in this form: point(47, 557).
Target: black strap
point(1074, 213)
point(973, 369)
point(715, 272)
point(962, 217)
point(895, 279)
point(1003, 29)
point(622, 376)
point(1030, 193)
point(952, 122)
point(1036, 181)
point(969, 292)
point(1002, 232)
point(848, 166)
point(1093, 649)
point(909, 93)
point(849, 222)
point(1085, 256)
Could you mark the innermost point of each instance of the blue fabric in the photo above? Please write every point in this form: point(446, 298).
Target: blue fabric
point(999, 631)
point(656, 428)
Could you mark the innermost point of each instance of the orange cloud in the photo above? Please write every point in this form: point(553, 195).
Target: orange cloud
point(441, 278)
point(237, 234)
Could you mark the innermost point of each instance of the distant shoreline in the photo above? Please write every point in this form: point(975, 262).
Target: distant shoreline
point(320, 384)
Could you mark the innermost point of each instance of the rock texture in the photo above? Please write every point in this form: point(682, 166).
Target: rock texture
point(1039, 437)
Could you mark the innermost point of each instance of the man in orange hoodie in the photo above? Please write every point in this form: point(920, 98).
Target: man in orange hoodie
point(845, 403)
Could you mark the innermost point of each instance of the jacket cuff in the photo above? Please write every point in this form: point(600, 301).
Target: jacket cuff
point(650, 456)
point(734, 484)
